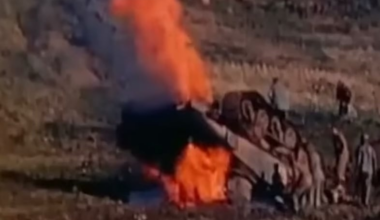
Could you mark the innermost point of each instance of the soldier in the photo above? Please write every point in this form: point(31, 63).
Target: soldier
point(366, 166)
point(278, 185)
point(342, 156)
point(278, 97)
point(343, 96)
point(315, 196)
point(305, 178)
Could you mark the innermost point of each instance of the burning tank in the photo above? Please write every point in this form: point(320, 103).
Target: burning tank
point(161, 137)
point(189, 149)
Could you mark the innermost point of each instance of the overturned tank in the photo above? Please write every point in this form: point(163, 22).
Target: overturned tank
point(159, 137)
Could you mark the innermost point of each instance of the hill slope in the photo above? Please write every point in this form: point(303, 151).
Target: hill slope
point(309, 46)
point(64, 70)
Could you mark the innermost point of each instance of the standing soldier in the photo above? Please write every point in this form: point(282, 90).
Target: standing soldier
point(343, 96)
point(278, 186)
point(305, 178)
point(316, 167)
point(278, 97)
point(366, 165)
point(342, 156)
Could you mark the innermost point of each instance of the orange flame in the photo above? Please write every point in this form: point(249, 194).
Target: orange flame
point(166, 51)
point(200, 176)
point(164, 47)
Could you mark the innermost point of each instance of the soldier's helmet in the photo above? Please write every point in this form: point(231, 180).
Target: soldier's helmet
point(364, 137)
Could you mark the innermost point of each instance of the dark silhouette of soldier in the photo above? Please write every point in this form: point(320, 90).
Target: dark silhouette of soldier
point(343, 96)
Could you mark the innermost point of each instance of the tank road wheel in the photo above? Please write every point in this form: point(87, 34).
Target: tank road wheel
point(247, 112)
point(275, 128)
point(262, 121)
point(290, 137)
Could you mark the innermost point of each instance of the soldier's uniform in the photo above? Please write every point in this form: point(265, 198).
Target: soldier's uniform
point(343, 95)
point(366, 166)
point(342, 155)
point(305, 179)
point(278, 97)
point(316, 193)
point(277, 182)
point(278, 188)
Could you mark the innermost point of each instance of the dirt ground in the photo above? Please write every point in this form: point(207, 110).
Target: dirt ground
point(83, 185)
point(61, 89)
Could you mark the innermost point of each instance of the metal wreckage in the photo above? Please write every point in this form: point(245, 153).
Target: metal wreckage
point(261, 142)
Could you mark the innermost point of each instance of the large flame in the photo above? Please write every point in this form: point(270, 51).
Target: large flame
point(164, 47)
point(166, 51)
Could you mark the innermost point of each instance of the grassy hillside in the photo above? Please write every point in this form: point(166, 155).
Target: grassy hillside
point(63, 75)
point(249, 42)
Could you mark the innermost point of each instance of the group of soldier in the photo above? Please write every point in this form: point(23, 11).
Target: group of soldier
point(362, 167)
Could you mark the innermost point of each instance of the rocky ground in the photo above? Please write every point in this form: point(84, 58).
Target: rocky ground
point(63, 76)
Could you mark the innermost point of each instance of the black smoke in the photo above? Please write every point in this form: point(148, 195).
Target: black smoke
point(159, 137)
